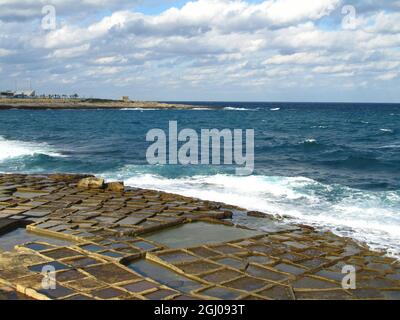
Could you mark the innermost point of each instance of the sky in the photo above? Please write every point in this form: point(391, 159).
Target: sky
point(204, 50)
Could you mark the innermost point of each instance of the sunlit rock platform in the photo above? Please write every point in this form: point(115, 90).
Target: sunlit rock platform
point(140, 244)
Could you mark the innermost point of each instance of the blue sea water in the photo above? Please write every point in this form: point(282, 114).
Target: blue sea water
point(334, 166)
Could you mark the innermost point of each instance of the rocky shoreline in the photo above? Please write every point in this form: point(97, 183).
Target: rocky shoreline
point(107, 241)
point(59, 104)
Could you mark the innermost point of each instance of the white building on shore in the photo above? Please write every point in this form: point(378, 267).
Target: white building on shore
point(17, 94)
point(25, 94)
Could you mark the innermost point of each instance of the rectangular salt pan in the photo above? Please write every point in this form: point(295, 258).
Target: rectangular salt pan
point(199, 233)
point(20, 236)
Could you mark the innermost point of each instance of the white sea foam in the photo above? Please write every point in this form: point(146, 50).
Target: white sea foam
point(367, 216)
point(387, 130)
point(137, 109)
point(275, 109)
point(237, 109)
point(390, 146)
point(310, 141)
point(15, 148)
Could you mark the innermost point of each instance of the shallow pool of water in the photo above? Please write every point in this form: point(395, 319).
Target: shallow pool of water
point(20, 236)
point(164, 276)
point(199, 233)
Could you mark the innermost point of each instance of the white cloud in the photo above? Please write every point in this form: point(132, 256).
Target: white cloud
point(111, 60)
point(103, 71)
point(333, 69)
point(19, 10)
point(5, 52)
point(386, 22)
point(72, 52)
point(298, 58)
point(289, 11)
point(206, 44)
point(388, 76)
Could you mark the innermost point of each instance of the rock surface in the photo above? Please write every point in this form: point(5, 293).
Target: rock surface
point(258, 214)
point(64, 177)
point(91, 183)
point(115, 186)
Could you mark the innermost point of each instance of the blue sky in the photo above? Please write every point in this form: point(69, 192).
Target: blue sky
point(230, 50)
point(156, 7)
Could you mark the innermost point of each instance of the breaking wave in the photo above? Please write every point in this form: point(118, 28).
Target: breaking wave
point(138, 109)
point(371, 217)
point(310, 141)
point(238, 109)
point(15, 148)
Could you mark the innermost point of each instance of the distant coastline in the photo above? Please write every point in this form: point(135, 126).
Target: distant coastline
point(62, 104)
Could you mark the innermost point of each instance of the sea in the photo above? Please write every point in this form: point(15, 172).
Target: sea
point(329, 165)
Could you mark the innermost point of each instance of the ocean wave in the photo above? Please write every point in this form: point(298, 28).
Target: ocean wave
point(358, 162)
point(275, 109)
point(309, 141)
point(390, 146)
point(367, 216)
point(387, 130)
point(15, 148)
point(137, 109)
point(238, 109)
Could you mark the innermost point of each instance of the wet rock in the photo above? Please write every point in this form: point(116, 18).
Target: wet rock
point(309, 228)
point(6, 225)
point(115, 186)
point(8, 293)
point(91, 183)
point(228, 214)
point(258, 214)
